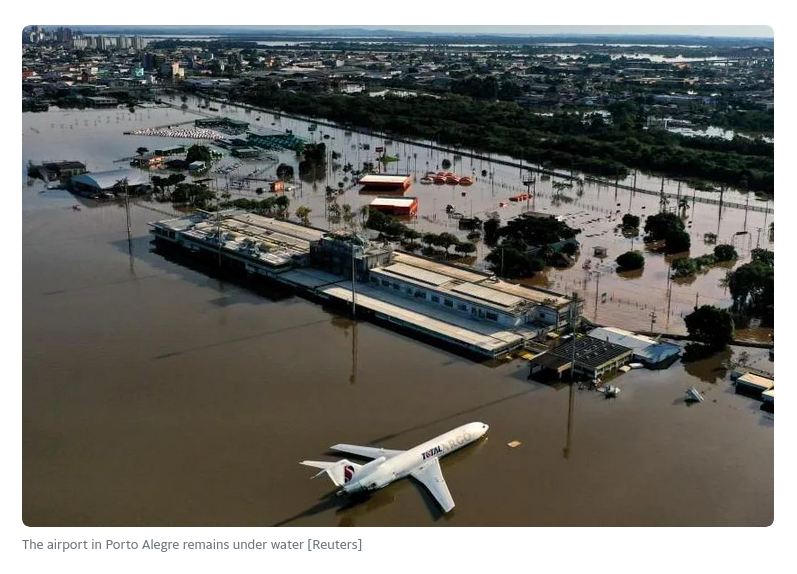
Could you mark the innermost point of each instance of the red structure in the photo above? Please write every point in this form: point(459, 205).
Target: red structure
point(399, 206)
point(394, 182)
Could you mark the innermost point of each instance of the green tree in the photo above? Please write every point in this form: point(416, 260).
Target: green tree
point(285, 172)
point(348, 214)
point(752, 287)
point(465, 248)
point(491, 227)
point(198, 153)
point(677, 241)
point(763, 256)
point(725, 253)
point(334, 214)
point(303, 213)
point(658, 226)
point(710, 326)
point(630, 261)
point(282, 204)
point(412, 234)
point(630, 221)
point(446, 240)
point(429, 239)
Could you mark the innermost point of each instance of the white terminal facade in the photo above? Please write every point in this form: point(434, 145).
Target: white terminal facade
point(461, 306)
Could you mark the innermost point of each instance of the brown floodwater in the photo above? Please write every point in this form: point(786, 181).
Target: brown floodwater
point(156, 394)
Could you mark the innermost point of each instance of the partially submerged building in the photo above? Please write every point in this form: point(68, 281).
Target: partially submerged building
point(386, 182)
point(650, 352)
point(593, 358)
point(397, 206)
point(106, 183)
point(227, 125)
point(466, 308)
point(752, 385)
point(57, 170)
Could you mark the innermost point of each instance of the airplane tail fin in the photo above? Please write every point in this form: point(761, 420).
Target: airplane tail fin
point(340, 472)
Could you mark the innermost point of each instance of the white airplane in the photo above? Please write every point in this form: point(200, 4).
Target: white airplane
point(420, 462)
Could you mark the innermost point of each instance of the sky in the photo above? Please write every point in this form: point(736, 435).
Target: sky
point(690, 30)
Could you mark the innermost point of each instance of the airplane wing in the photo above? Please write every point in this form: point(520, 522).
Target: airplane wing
point(366, 451)
point(430, 475)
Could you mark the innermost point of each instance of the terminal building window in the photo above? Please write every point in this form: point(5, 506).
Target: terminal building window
point(492, 316)
point(449, 303)
point(385, 283)
point(462, 307)
point(435, 299)
point(396, 286)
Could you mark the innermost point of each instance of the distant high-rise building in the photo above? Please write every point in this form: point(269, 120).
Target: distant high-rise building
point(106, 43)
point(80, 43)
point(64, 35)
point(139, 43)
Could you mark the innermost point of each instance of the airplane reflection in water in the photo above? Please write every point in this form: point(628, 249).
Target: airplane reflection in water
point(420, 462)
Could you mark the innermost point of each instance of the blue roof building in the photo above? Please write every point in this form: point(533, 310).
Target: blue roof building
point(650, 352)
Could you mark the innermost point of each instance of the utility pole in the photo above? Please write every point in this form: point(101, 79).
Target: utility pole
point(597, 288)
point(746, 206)
point(127, 208)
point(758, 238)
point(697, 295)
point(766, 213)
point(669, 297)
point(353, 280)
point(652, 320)
point(573, 320)
point(528, 183)
point(353, 377)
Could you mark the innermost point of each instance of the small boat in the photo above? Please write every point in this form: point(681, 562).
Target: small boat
point(431, 174)
point(439, 180)
point(426, 180)
point(693, 395)
point(452, 180)
point(465, 181)
point(519, 197)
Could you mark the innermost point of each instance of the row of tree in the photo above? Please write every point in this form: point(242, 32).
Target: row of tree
point(525, 245)
point(562, 140)
point(412, 240)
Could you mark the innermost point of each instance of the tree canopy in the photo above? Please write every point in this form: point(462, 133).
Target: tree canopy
point(198, 153)
point(630, 261)
point(725, 253)
point(710, 326)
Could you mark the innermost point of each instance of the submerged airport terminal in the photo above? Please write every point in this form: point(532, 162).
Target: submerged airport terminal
point(472, 310)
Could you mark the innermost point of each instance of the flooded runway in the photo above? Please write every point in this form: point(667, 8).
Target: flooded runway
point(157, 395)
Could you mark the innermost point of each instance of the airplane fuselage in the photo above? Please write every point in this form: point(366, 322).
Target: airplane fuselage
point(380, 472)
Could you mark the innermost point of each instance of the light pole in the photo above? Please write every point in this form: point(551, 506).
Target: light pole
point(353, 277)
